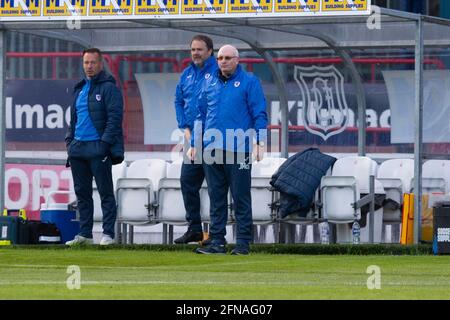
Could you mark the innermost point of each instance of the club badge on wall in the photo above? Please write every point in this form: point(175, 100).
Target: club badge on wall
point(325, 111)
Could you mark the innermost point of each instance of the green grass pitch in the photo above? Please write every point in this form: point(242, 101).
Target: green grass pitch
point(120, 273)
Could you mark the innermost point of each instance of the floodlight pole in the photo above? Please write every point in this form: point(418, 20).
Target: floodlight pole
point(418, 139)
point(3, 187)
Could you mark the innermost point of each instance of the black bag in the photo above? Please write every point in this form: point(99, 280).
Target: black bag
point(43, 233)
point(18, 230)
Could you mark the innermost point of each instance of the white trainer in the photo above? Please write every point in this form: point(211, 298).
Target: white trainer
point(79, 240)
point(106, 240)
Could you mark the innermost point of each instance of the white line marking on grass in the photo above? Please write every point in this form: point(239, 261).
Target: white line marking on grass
point(206, 282)
point(159, 282)
point(33, 266)
point(54, 266)
point(118, 283)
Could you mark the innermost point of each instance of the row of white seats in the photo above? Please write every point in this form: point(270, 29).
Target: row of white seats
point(393, 178)
point(397, 178)
point(148, 191)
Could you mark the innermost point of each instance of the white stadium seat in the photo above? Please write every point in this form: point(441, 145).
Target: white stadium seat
point(343, 189)
point(396, 176)
point(262, 195)
point(170, 199)
point(137, 193)
point(436, 176)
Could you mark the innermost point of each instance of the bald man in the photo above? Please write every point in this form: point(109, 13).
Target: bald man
point(232, 111)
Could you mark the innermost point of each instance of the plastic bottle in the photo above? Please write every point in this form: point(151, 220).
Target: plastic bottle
point(325, 233)
point(356, 232)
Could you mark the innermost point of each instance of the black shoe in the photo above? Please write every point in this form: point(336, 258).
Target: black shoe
point(208, 241)
point(240, 250)
point(212, 249)
point(190, 236)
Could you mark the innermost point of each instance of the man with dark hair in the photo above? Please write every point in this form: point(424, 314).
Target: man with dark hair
point(94, 143)
point(203, 65)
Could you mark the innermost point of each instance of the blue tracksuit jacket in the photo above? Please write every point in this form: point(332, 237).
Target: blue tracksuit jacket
point(188, 91)
point(236, 104)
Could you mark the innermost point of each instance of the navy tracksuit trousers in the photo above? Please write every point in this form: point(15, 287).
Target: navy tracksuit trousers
point(88, 160)
point(191, 180)
point(235, 176)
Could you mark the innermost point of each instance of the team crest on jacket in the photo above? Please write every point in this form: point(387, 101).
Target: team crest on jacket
point(325, 112)
point(98, 97)
point(207, 75)
point(237, 84)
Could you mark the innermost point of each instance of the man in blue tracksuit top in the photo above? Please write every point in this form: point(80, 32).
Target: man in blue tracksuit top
point(94, 142)
point(203, 65)
point(232, 109)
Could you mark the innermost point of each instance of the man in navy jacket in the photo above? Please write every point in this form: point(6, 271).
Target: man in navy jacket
point(203, 65)
point(94, 142)
point(232, 109)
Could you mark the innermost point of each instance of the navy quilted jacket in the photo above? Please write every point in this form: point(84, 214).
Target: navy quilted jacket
point(106, 111)
point(298, 178)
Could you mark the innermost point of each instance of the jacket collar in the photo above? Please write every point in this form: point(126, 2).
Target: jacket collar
point(102, 76)
point(233, 76)
point(211, 61)
point(207, 65)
